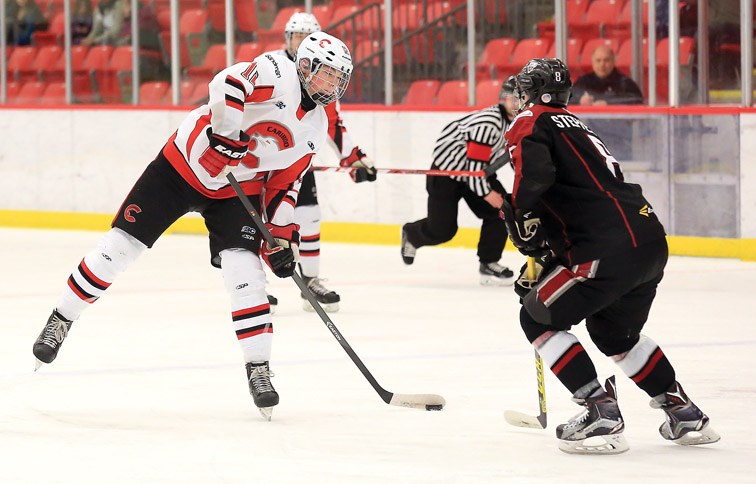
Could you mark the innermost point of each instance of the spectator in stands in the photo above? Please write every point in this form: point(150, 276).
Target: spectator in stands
point(148, 26)
point(22, 18)
point(81, 21)
point(605, 85)
point(106, 28)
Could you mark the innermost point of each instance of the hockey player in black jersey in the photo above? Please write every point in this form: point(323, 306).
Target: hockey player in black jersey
point(601, 253)
point(470, 143)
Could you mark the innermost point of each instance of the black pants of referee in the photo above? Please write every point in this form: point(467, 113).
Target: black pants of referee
point(440, 225)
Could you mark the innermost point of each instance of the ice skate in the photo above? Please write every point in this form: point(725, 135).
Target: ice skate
point(408, 250)
point(273, 302)
point(495, 274)
point(686, 424)
point(261, 389)
point(598, 429)
point(51, 338)
point(328, 299)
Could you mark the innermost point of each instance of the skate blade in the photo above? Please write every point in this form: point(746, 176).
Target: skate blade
point(597, 445)
point(266, 412)
point(38, 364)
point(706, 435)
point(495, 281)
point(329, 308)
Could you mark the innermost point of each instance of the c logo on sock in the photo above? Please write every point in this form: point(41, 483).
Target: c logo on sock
point(131, 209)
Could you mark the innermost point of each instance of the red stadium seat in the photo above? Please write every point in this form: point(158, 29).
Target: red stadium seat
point(21, 58)
point(574, 47)
point(192, 29)
point(624, 58)
point(422, 92)
point(496, 52)
point(216, 12)
point(215, 61)
point(453, 93)
point(620, 29)
point(349, 28)
point(54, 33)
point(165, 49)
point(324, 14)
point(525, 50)
point(276, 31)
point(599, 12)
point(48, 55)
point(246, 17)
point(111, 79)
point(575, 12)
point(54, 93)
point(153, 93)
point(487, 92)
point(248, 51)
point(30, 92)
point(12, 89)
point(56, 72)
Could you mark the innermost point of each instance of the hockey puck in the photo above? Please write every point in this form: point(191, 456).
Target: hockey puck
point(432, 408)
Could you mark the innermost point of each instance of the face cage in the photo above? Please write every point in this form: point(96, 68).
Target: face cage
point(316, 80)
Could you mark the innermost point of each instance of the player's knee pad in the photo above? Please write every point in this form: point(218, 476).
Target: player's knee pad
point(308, 219)
point(612, 340)
point(532, 328)
point(116, 251)
point(243, 274)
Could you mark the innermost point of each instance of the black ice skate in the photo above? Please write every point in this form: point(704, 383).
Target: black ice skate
point(495, 274)
point(327, 298)
point(686, 424)
point(261, 389)
point(51, 338)
point(273, 302)
point(598, 429)
point(408, 250)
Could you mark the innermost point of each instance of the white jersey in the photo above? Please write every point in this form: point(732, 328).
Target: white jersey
point(262, 98)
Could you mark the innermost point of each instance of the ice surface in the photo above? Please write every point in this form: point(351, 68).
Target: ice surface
point(150, 386)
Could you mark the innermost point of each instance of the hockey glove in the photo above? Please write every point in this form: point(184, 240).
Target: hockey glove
point(525, 230)
point(364, 169)
point(525, 284)
point(223, 152)
point(282, 259)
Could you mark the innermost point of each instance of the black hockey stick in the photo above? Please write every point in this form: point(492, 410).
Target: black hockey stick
point(419, 401)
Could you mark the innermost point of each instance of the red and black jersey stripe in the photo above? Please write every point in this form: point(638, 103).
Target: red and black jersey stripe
point(236, 85)
point(234, 102)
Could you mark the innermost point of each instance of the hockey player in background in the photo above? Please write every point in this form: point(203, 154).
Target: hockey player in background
point(264, 121)
point(469, 143)
point(307, 212)
point(601, 253)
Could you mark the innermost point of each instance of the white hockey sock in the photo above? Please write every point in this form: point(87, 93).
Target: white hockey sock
point(308, 218)
point(97, 271)
point(244, 279)
point(633, 362)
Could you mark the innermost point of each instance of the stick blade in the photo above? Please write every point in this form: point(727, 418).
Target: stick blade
point(519, 419)
point(425, 401)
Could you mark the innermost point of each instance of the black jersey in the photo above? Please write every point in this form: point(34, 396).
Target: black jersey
point(567, 175)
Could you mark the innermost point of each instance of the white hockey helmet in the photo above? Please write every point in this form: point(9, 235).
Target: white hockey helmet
point(324, 65)
point(299, 23)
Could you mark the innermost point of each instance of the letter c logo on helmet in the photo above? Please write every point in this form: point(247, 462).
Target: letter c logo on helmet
point(324, 42)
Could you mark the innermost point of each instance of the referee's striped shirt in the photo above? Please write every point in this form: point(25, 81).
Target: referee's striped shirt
point(470, 143)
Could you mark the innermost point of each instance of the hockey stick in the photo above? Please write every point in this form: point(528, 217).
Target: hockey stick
point(419, 401)
point(519, 419)
point(487, 171)
point(405, 171)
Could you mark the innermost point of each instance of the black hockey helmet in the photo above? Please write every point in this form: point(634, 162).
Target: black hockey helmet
point(545, 81)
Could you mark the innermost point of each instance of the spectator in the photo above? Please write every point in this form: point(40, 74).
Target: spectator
point(605, 85)
point(81, 21)
point(148, 26)
point(106, 28)
point(22, 18)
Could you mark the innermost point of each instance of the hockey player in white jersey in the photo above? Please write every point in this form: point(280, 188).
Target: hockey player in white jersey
point(264, 121)
point(307, 212)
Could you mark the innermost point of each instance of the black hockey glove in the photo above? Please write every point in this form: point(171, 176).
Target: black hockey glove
point(525, 230)
point(364, 169)
point(525, 283)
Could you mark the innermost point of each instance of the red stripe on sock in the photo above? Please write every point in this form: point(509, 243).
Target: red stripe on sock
point(94, 277)
point(267, 329)
point(566, 358)
point(649, 366)
point(243, 312)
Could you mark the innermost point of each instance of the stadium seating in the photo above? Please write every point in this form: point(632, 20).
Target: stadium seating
point(495, 54)
point(422, 92)
point(487, 92)
point(453, 93)
point(54, 93)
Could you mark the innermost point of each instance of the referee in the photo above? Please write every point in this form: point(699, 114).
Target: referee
point(468, 143)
